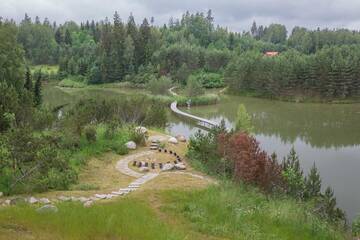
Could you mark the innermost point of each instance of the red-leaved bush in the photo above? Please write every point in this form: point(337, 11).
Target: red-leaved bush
point(250, 163)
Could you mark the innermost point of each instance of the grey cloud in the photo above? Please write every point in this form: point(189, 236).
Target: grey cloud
point(237, 15)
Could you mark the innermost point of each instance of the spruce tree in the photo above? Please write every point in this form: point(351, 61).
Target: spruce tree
point(58, 36)
point(37, 91)
point(68, 40)
point(28, 81)
point(313, 183)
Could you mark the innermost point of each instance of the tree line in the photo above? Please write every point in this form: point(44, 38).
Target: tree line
point(321, 62)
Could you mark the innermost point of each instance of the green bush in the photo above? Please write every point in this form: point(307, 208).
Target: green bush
point(90, 133)
point(159, 86)
point(120, 149)
point(209, 80)
point(138, 137)
point(356, 227)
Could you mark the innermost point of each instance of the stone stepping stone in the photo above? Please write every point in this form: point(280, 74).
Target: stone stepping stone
point(100, 196)
point(117, 193)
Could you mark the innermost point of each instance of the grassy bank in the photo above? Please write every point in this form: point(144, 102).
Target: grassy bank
point(241, 212)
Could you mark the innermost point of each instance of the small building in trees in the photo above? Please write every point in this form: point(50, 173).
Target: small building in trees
point(271, 54)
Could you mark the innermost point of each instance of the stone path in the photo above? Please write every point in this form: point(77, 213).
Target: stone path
point(123, 165)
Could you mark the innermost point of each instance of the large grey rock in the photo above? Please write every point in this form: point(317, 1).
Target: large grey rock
point(181, 138)
point(32, 200)
point(7, 202)
point(142, 130)
point(47, 209)
point(63, 198)
point(180, 166)
point(168, 167)
point(44, 201)
point(131, 145)
point(173, 140)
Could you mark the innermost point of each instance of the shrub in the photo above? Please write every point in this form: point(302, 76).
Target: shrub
point(194, 87)
point(90, 133)
point(209, 80)
point(138, 137)
point(250, 163)
point(120, 149)
point(156, 115)
point(160, 85)
point(356, 227)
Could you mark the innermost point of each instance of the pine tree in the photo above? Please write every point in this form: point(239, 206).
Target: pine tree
point(145, 35)
point(68, 40)
point(58, 36)
point(254, 30)
point(28, 81)
point(37, 91)
point(313, 183)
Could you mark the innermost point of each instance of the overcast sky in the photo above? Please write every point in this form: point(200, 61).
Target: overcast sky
point(235, 14)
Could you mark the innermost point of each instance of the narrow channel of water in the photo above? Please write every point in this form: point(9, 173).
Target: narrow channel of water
point(326, 134)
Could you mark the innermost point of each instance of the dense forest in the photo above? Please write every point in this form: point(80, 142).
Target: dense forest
point(319, 62)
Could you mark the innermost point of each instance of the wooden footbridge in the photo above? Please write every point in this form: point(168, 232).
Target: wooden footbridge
point(202, 122)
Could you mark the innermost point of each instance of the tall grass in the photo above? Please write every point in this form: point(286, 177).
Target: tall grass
point(241, 212)
point(124, 219)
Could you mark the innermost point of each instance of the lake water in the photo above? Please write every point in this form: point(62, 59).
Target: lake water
point(326, 134)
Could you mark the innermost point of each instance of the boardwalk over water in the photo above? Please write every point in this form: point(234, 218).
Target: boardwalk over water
point(200, 121)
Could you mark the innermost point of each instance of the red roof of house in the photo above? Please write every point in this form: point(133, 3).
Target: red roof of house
point(271, 54)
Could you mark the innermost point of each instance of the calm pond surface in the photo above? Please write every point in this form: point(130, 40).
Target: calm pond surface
point(326, 134)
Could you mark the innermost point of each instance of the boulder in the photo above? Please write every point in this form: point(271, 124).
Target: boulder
point(44, 200)
point(144, 169)
point(32, 200)
point(83, 199)
point(47, 209)
point(1, 194)
point(180, 166)
point(142, 130)
point(7, 202)
point(63, 198)
point(181, 138)
point(131, 145)
point(173, 140)
point(168, 167)
point(88, 203)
